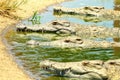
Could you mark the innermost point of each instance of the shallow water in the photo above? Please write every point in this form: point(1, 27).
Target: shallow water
point(31, 56)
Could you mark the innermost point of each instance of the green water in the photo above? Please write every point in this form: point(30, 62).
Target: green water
point(30, 57)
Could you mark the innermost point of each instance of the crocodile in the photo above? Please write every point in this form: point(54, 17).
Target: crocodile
point(84, 70)
point(93, 19)
point(67, 27)
point(75, 42)
point(92, 11)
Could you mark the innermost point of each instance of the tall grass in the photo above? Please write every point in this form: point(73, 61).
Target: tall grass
point(7, 6)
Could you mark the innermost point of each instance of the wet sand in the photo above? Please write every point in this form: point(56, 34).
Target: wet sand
point(9, 69)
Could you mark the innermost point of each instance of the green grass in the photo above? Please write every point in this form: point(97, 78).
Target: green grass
point(35, 18)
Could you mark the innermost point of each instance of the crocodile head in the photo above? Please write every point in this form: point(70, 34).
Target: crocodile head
point(50, 67)
point(58, 26)
point(84, 69)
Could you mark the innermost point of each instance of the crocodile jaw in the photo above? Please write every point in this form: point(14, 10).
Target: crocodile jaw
point(48, 66)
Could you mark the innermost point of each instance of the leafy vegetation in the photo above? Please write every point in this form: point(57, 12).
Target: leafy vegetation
point(7, 6)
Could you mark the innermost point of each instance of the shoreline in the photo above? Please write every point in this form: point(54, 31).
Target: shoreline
point(9, 69)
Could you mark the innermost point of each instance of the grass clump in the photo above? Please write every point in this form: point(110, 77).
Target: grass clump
point(8, 6)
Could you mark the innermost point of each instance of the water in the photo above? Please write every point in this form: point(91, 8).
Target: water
point(31, 56)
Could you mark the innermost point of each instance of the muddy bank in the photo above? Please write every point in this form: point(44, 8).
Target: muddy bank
point(9, 70)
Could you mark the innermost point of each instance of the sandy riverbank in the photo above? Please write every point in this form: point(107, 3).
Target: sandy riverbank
point(9, 70)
